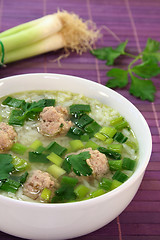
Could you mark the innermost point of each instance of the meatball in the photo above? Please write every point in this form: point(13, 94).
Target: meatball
point(53, 121)
point(35, 184)
point(98, 162)
point(7, 137)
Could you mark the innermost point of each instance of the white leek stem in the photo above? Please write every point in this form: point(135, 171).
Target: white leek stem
point(51, 43)
point(51, 24)
point(20, 27)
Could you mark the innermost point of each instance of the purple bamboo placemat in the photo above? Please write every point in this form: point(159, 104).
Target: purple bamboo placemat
point(134, 20)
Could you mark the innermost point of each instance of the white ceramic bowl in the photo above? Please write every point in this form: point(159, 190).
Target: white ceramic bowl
point(68, 220)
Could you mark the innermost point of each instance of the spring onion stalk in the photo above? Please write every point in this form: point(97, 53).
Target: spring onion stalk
point(115, 165)
point(46, 193)
point(36, 144)
point(97, 193)
point(76, 145)
point(56, 171)
point(115, 184)
point(81, 191)
point(120, 176)
point(19, 148)
point(100, 136)
point(20, 164)
point(108, 140)
point(69, 180)
point(49, 33)
point(109, 131)
point(55, 159)
point(115, 147)
point(91, 144)
point(105, 184)
point(84, 138)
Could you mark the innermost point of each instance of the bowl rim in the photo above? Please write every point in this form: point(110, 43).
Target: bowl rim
point(107, 195)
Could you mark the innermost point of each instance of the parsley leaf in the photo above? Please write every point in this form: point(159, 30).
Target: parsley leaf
point(65, 192)
point(152, 50)
point(147, 69)
point(6, 165)
point(143, 89)
point(140, 74)
point(119, 78)
point(28, 110)
point(78, 163)
point(109, 54)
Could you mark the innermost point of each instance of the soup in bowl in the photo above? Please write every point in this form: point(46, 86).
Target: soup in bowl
point(72, 154)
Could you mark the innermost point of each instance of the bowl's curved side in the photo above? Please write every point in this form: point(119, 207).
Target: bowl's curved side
point(62, 221)
point(34, 221)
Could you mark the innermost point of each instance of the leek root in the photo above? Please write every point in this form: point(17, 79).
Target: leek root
point(49, 33)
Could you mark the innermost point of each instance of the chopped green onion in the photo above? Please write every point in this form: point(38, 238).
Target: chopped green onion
point(19, 148)
point(13, 102)
point(128, 164)
point(119, 137)
point(75, 133)
point(105, 184)
point(115, 184)
point(91, 144)
point(79, 109)
point(109, 131)
point(82, 121)
point(40, 149)
point(120, 176)
point(38, 157)
point(36, 144)
point(0, 118)
point(22, 178)
point(55, 159)
point(100, 136)
point(56, 171)
point(56, 148)
point(115, 121)
point(108, 140)
point(76, 145)
point(20, 164)
point(12, 183)
point(46, 194)
point(92, 128)
point(97, 193)
point(84, 137)
point(132, 145)
point(115, 147)
point(121, 125)
point(115, 165)
point(69, 180)
point(10, 186)
point(81, 191)
point(110, 153)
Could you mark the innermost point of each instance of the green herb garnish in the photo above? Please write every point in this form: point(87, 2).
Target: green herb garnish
point(141, 69)
point(6, 165)
point(78, 163)
point(65, 192)
point(26, 110)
